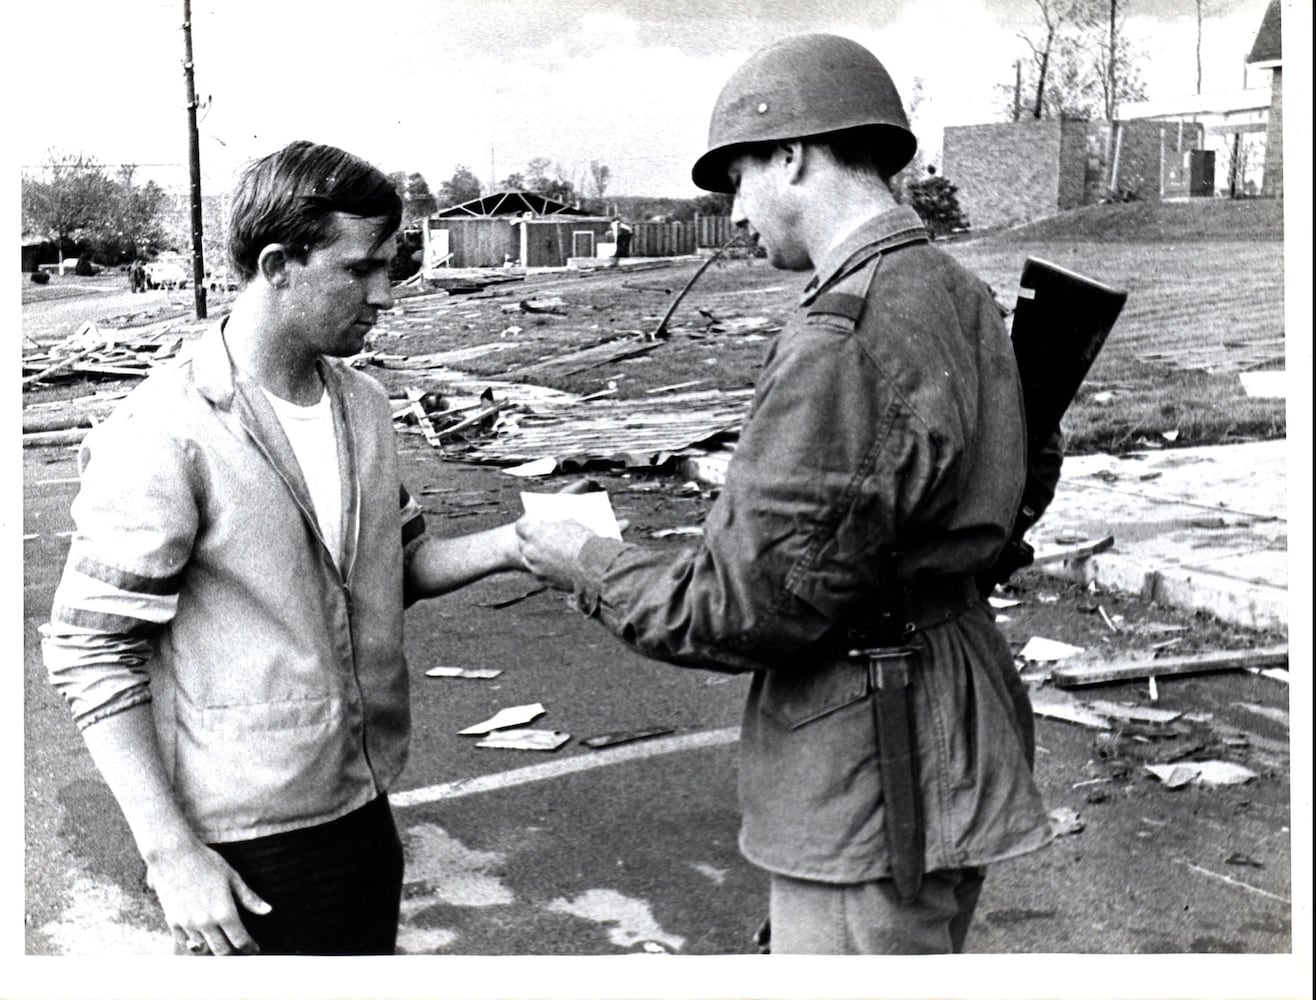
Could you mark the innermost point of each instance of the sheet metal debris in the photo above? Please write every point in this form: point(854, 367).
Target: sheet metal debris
point(1051, 704)
point(539, 467)
point(1134, 713)
point(626, 736)
point(631, 433)
point(1202, 772)
point(507, 718)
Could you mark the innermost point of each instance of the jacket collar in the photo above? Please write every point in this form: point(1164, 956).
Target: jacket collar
point(216, 376)
point(882, 232)
point(239, 396)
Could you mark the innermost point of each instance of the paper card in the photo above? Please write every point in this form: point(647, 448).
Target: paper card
point(593, 510)
point(519, 715)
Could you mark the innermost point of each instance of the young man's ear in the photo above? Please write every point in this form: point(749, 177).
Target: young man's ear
point(272, 265)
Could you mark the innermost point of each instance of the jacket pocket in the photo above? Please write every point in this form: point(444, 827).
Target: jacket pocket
point(237, 720)
point(796, 697)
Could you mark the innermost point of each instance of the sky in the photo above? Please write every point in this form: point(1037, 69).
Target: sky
point(427, 85)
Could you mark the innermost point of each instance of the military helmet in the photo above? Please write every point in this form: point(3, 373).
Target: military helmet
point(800, 87)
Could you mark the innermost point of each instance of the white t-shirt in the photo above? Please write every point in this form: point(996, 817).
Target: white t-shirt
point(310, 431)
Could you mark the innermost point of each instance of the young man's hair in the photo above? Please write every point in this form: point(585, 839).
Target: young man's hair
point(289, 197)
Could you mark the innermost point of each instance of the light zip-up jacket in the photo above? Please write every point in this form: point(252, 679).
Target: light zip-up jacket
point(888, 415)
point(198, 581)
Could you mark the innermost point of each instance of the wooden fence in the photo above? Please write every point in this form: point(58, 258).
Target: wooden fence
point(672, 239)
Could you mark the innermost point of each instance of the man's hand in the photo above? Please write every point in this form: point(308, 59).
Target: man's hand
point(200, 894)
point(549, 549)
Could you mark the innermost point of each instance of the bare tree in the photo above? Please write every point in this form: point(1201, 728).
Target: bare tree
point(1114, 56)
point(601, 174)
point(1054, 15)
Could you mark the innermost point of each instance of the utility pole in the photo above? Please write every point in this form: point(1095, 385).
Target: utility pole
point(1018, 85)
point(194, 167)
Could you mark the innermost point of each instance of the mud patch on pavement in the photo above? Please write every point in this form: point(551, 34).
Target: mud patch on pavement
point(96, 922)
point(632, 920)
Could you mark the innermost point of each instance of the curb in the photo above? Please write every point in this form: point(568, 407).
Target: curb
point(1251, 605)
point(1248, 604)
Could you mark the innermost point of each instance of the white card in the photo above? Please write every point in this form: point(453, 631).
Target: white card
point(593, 510)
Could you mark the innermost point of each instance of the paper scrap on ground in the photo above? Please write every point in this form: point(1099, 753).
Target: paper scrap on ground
point(1203, 772)
point(692, 530)
point(524, 739)
point(518, 715)
point(1273, 385)
point(1042, 650)
point(539, 467)
point(1065, 821)
point(593, 510)
point(480, 675)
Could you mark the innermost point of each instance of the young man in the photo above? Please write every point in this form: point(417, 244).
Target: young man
point(228, 629)
point(886, 743)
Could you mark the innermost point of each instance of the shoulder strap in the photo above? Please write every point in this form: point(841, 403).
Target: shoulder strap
point(848, 305)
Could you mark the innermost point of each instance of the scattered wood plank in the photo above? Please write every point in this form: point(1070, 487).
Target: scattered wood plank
point(49, 439)
point(1070, 552)
point(1078, 675)
point(58, 366)
point(472, 420)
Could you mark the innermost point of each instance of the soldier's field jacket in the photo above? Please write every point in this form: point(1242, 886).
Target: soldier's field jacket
point(895, 424)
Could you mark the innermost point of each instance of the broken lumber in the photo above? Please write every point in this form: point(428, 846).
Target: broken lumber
point(473, 420)
point(1104, 673)
point(50, 439)
point(68, 362)
point(1073, 551)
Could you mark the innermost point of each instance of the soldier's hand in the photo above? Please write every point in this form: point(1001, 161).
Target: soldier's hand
point(549, 549)
point(200, 895)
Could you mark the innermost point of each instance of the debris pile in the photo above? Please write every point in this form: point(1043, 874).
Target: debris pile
point(99, 352)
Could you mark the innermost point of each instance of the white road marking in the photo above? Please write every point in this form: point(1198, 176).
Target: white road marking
point(567, 765)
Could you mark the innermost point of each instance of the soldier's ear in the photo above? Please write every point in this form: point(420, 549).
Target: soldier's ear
point(792, 159)
point(272, 265)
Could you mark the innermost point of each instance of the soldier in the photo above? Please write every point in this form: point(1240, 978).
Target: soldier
point(886, 746)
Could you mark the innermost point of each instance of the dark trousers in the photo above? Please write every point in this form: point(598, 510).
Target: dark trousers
point(333, 889)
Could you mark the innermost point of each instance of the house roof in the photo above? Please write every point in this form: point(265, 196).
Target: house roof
point(509, 203)
point(1268, 46)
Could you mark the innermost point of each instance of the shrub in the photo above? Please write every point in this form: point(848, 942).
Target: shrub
point(936, 201)
point(40, 278)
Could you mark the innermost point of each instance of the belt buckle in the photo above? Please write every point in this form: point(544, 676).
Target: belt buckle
point(888, 666)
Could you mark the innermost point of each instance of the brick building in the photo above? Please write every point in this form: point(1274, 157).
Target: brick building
point(1009, 173)
point(1268, 53)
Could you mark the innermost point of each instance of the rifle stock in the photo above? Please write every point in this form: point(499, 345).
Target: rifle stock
point(1061, 322)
